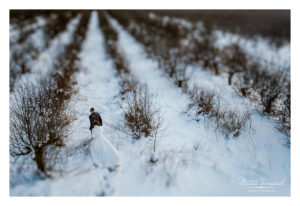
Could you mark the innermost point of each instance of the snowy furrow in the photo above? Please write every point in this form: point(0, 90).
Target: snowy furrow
point(97, 83)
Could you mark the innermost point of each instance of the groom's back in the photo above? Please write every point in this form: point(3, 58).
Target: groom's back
point(96, 116)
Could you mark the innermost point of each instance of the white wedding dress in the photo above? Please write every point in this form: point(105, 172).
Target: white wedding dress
point(104, 154)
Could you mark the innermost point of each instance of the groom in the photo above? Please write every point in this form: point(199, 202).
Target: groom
point(95, 119)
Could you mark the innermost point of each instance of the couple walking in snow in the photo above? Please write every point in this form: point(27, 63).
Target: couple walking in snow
point(103, 153)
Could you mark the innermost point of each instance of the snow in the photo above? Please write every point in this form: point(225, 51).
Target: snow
point(192, 160)
point(258, 48)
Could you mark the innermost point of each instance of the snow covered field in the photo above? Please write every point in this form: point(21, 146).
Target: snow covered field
point(192, 160)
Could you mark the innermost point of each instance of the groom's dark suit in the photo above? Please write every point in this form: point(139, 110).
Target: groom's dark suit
point(94, 116)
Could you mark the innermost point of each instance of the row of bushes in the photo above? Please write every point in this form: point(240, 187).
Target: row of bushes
point(40, 115)
point(141, 116)
point(273, 24)
point(56, 21)
point(24, 51)
point(20, 58)
point(268, 86)
point(208, 104)
point(173, 61)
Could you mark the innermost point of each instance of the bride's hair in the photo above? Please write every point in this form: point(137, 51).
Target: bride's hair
point(92, 109)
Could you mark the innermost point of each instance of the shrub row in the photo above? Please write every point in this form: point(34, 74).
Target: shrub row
point(40, 116)
point(23, 51)
point(246, 75)
point(141, 117)
point(173, 61)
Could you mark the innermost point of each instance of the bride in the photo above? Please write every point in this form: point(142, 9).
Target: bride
point(103, 153)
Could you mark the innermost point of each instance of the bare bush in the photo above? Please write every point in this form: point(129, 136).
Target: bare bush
point(232, 122)
point(142, 118)
point(39, 123)
point(244, 81)
point(203, 100)
point(206, 103)
point(173, 65)
point(234, 59)
point(129, 84)
point(268, 85)
point(282, 111)
point(205, 52)
point(181, 77)
point(270, 88)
